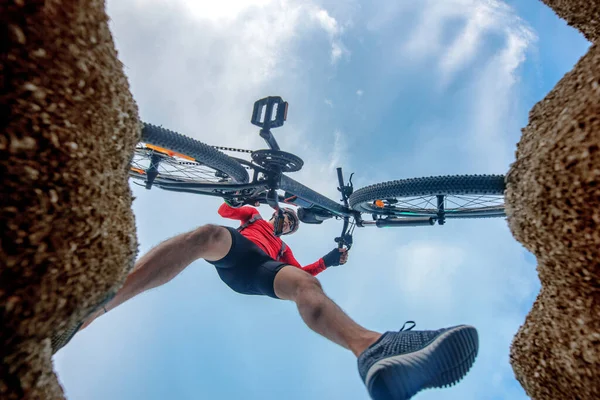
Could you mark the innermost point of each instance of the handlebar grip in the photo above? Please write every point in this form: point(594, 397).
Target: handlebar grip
point(340, 177)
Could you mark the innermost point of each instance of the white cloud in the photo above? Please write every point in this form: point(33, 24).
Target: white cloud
point(359, 92)
point(339, 152)
point(336, 52)
point(214, 71)
point(329, 102)
point(332, 27)
point(480, 20)
point(327, 21)
point(465, 45)
point(472, 50)
point(212, 10)
point(425, 268)
point(387, 13)
point(425, 38)
point(494, 100)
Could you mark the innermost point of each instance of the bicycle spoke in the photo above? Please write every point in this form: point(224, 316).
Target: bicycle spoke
point(411, 202)
point(186, 169)
point(483, 202)
point(452, 204)
point(174, 168)
point(499, 200)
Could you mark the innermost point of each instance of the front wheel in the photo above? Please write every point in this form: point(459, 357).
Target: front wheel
point(460, 196)
point(164, 156)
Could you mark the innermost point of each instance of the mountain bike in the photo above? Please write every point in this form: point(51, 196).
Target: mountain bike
point(170, 161)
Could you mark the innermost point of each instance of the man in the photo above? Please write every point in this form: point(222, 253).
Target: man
point(254, 261)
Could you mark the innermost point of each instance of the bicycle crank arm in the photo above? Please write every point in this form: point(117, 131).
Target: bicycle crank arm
point(391, 222)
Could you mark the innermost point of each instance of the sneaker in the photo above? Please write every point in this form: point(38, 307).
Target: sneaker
point(402, 363)
point(60, 339)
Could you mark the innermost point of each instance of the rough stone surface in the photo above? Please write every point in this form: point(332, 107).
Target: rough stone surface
point(553, 207)
point(69, 126)
point(581, 14)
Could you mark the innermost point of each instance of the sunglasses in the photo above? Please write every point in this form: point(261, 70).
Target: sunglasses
point(291, 222)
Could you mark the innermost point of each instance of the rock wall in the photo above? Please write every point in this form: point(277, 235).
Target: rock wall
point(553, 207)
point(581, 14)
point(69, 126)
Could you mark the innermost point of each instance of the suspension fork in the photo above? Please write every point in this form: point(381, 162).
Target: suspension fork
point(152, 172)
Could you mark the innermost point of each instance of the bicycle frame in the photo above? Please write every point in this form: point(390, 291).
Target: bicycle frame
point(269, 186)
point(285, 183)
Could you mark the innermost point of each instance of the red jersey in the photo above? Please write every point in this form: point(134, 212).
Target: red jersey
point(260, 232)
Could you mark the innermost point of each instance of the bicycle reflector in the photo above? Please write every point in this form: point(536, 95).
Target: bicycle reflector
point(379, 203)
point(270, 112)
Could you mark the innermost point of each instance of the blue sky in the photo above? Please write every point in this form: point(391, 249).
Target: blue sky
point(388, 90)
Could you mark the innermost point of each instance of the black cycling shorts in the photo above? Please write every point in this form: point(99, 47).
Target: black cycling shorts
point(246, 268)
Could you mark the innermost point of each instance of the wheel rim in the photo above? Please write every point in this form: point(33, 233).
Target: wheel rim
point(173, 167)
point(455, 206)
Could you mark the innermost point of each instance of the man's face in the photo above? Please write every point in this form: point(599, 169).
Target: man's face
point(287, 224)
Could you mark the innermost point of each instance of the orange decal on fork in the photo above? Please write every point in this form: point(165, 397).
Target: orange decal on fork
point(138, 170)
point(168, 152)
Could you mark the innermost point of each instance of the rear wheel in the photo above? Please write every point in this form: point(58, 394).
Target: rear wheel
point(164, 156)
point(461, 196)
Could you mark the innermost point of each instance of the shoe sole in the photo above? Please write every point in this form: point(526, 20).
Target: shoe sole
point(62, 338)
point(442, 363)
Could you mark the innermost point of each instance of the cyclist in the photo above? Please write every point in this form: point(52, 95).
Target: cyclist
point(253, 260)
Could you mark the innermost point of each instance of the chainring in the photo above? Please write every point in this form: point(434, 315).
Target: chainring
point(277, 160)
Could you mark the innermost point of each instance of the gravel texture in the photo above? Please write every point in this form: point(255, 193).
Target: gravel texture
point(553, 207)
point(69, 126)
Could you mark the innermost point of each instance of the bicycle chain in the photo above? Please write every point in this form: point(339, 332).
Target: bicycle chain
point(220, 148)
point(232, 149)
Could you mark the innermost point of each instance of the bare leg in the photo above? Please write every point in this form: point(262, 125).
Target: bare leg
point(319, 312)
point(165, 261)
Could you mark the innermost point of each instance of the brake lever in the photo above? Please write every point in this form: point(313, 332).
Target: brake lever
point(344, 241)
